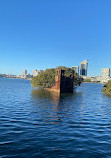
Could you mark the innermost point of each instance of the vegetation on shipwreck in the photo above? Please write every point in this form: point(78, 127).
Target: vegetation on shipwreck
point(46, 79)
point(107, 88)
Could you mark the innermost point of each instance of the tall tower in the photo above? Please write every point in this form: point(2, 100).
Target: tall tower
point(24, 72)
point(76, 69)
point(83, 68)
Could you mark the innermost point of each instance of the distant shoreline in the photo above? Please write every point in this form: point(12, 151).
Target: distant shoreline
point(93, 82)
point(17, 78)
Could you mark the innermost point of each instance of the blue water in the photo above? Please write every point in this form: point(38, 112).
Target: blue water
point(37, 123)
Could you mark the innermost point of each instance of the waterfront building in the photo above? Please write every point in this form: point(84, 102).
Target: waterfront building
point(105, 75)
point(96, 79)
point(24, 73)
point(76, 69)
point(105, 72)
point(29, 76)
point(34, 73)
point(83, 68)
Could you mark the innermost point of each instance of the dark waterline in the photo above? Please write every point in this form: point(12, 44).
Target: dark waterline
point(37, 123)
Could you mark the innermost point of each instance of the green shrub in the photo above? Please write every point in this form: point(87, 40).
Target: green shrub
point(87, 80)
point(107, 88)
point(46, 78)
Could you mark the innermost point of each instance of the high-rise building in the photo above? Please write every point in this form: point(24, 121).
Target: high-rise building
point(105, 72)
point(35, 73)
point(24, 72)
point(76, 69)
point(83, 68)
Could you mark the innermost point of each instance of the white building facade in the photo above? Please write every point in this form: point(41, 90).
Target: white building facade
point(34, 73)
point(105, 75)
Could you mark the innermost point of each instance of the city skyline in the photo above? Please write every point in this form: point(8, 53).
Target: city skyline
point(49, 34)
point(77, 68)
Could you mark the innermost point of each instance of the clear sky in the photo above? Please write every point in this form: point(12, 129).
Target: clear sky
point(40, 34)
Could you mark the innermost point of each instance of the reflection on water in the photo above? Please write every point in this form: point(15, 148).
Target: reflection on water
point(45, 94)
point(55, 97)
point(57, 105)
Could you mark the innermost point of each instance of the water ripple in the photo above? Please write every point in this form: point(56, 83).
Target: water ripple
point(37, 123)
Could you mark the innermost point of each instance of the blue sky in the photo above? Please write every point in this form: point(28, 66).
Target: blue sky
point(40, 34)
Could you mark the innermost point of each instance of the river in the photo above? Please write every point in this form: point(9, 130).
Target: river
point(36, 123)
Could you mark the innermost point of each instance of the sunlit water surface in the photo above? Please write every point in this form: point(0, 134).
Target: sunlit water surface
point(37, 123)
